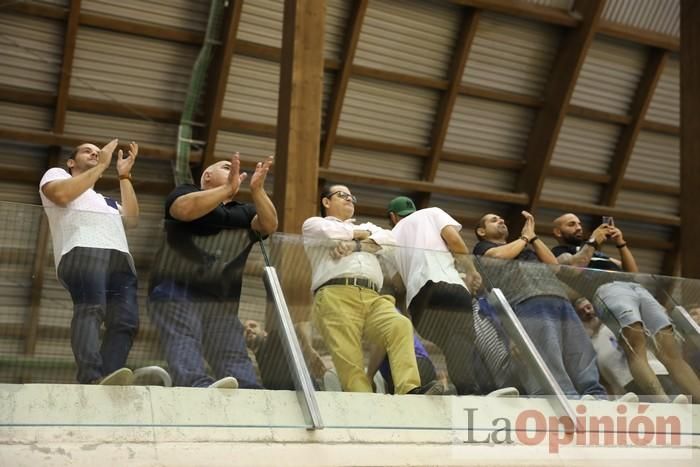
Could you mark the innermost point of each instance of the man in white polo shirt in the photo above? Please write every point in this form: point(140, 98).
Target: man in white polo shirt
point(92, 258)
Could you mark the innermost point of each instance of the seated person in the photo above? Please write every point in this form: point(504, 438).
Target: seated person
point(612, 362)
point(272, 361)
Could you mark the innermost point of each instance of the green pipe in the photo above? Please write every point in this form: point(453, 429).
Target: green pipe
point(183, 174)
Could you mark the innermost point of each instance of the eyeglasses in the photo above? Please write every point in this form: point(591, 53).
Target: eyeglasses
point(345, 196)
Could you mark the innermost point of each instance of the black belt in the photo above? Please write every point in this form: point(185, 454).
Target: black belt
point(356, 281)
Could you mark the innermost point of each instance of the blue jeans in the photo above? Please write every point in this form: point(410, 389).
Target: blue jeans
point(103, 288)
point(557, 333)
point(192, 328)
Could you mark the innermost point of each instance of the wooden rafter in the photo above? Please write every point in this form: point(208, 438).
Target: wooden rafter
point(218, 75)
point(51, 139)
point(690, 139)
point(467, 31)
point(59, 120)
point(342, 78)
point(638, 109)
point(523, 9)
point(561, 83)
point(510, 7)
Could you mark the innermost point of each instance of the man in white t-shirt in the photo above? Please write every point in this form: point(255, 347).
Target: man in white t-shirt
point(437, 295)
point(92, 258)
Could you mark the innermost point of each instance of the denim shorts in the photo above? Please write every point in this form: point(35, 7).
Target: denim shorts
point(631, 303)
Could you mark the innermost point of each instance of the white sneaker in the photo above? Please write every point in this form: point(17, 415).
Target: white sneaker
point(504, 392)
point(120, 377)
point(229, 382)
point(628, 398)
point(588, 397)
point(152, 376)
point(680, 399)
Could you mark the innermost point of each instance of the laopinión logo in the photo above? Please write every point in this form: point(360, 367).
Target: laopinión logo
point(629, 426)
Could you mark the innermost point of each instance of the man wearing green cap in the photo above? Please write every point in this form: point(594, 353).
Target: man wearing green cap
point(437, 294)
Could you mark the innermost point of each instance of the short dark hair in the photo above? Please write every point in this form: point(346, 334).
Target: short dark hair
point(72, 155)
point(480, 225)
point(326, 192)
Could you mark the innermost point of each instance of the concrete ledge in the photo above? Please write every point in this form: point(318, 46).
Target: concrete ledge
point(76, 425)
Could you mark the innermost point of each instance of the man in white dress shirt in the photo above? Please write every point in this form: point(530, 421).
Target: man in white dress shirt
point(93, 260)
point(346, 280)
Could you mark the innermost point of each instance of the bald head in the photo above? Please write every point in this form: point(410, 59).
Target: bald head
point(215, 175)
point(567, 229)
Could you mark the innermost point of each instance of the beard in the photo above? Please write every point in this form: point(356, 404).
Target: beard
point(572, 239)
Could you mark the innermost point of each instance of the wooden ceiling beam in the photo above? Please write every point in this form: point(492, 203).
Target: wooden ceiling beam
point(618, 213)
point(690, 139)
point(420, 186)
point(639, 36)
point(342, 78)
point(659, 127)
point(48, 138)
point(562, 80)
point(525, 10)
point(443, 114)
point(597, 115)
point(628, 137)
point(218, 75)
point(500, 95)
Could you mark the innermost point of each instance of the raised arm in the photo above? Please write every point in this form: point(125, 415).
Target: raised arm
point(585, 253)
point(543, 253)
point(194, 205)
point(265, 221)
point(628, 263)
point(62, 192)
point(130, 205)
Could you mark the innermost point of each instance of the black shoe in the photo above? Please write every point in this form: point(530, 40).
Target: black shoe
point(433, 388)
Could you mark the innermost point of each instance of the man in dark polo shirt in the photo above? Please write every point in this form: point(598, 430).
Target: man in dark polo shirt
point(198, 273)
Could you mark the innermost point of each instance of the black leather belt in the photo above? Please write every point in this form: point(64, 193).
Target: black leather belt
point(356, 281)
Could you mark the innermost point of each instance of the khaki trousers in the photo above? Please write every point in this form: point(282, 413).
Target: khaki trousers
point(345, 314)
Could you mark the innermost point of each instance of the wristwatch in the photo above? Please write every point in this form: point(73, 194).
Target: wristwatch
point(592, 242)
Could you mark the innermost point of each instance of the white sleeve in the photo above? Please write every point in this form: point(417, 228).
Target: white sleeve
point(441, 219)
point(318, 227)
point(53, 174)
point(380, 236)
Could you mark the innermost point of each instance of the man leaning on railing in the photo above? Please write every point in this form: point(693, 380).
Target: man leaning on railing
point(198, 272)
point(93, 260)
point(346, 280)
point(634, 309)
point(540, 303)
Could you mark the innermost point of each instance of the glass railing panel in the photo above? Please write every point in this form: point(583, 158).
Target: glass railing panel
point(681, 298)
point(627, 319)
point(442, 315)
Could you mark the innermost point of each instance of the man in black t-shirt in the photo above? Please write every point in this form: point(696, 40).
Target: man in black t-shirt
point(198, 272)
point(636, 311)
point(540, 303)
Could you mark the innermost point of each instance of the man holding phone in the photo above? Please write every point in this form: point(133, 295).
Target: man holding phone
point(635, 310)
point(573, 250)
